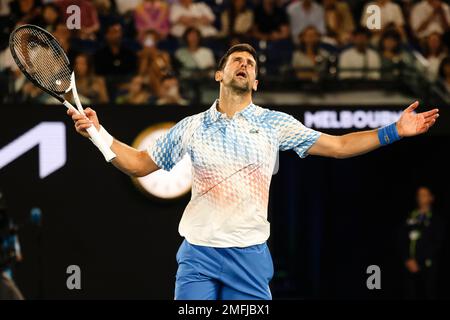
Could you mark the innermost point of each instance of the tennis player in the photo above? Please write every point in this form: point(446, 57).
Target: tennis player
point(233, 148)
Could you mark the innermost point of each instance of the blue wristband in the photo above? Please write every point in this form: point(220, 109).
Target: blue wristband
point(388, 134)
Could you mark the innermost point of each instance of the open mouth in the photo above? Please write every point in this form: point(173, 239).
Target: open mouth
point(241, 74)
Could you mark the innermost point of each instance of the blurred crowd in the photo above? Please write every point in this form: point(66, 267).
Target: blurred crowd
point(138, 51)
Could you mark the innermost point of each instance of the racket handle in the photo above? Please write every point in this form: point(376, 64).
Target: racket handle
point(100, 143)
point(96, 138)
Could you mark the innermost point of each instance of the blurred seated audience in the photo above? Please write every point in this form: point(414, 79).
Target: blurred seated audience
point(391, 17)
point(135, 92)
point(114, 58)
point(26, 11)
point(186, 14)
point(434, 52)
point(152, 15)
point(88, 17)
point(194, 59)
point(50, 17)
point(339, 21)
point(125, 7)
point(430, 16)
point(91, 88)
point(365, 60)
point(271, 22)
point(444, 73)
point(153, 62)
point(305, 13)
point(169, 92)
point(393, 57)
point(309, 59)
point(237, 19)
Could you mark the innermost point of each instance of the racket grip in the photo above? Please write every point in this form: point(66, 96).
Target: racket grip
point(100, 143)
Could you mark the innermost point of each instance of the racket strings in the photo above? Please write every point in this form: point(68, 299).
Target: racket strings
point(43, 59)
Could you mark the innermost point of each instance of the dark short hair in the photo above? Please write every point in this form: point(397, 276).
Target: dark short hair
point(363, 31)
point(189, 30)
point(241, 47)
point(442, 65)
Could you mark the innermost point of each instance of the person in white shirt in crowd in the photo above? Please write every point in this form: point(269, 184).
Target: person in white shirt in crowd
point(303, 14)
point(434, 51)
point(237, 19)
point(429, 16)
point(339, 22)
point(391, 16)
point(187, 14)
point(360, 57)
point(193, 58)
point(309, 59)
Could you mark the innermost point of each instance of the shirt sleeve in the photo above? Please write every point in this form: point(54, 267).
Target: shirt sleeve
point(292, 134)
point(171, 146)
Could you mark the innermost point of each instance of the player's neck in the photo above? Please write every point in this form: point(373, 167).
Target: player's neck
point(230, 103)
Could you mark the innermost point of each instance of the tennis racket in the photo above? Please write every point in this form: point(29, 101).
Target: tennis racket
point(42, 60)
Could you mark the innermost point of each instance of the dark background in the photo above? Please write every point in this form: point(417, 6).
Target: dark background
point(330, 218)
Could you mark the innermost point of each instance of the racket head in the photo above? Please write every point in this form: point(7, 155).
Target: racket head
point(41, 58)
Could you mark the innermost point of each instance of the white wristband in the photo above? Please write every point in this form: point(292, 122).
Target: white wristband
point(107, 138)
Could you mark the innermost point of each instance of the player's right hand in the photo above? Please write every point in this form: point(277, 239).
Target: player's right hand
point(82, 122)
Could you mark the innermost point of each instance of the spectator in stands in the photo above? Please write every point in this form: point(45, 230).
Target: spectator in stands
point(152, 15)
point(50, 17)
point(271, 22)
point(153, 63)
point(26, 11)
point(391, 17)
point(115, 59)
point(338, 21)
point(88, 17)
point(193, 58)
point(91, 88)
point(169, 92)
point(366, 61)
point(393, 57)
point(186, 14)
point(64, 36)
point(303, 14)
point(237, 19)
point(107, 15)
point(444, 73)
point(421, 240)
point(136, 92)
point(5, 8)
point(430, 16)
point(309, 59)
point(434, 52)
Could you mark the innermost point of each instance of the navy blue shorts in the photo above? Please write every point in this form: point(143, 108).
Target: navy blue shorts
point(207, 273)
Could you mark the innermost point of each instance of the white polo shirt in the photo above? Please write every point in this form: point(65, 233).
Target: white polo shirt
point(232, 165)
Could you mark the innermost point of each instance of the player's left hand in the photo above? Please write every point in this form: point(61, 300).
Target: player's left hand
point(412, 123)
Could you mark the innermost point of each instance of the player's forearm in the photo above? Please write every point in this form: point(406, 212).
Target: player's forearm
point(357, 143)
point(132, 162)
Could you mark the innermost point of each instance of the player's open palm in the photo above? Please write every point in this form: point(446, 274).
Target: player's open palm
point(412, 123)
point(82, 122)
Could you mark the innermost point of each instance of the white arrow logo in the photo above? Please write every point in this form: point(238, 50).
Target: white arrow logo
point(51, 138)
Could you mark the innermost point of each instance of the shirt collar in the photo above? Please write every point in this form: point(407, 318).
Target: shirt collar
point(248, 112)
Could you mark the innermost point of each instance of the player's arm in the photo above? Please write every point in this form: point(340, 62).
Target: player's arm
point(357, 143)
point(133, 162)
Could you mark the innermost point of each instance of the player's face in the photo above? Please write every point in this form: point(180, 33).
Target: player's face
point(239, 72)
